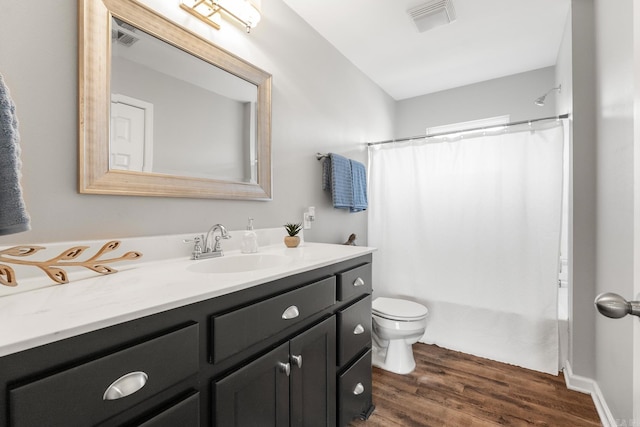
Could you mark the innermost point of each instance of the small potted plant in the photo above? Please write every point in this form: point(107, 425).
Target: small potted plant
point(292, 240)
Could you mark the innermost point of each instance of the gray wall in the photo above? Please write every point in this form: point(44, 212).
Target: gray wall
point(576, 70)
point(615, 174)
point(513, 95)
point(597, 59)
point(321, 102)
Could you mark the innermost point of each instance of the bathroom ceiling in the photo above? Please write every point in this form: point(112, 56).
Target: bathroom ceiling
point(489, 39)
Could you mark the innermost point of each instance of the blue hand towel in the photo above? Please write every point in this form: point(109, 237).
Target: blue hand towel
point(326, 173)
point(347, 181)
point(341, 181)
point(359, 184)
point(13, 215)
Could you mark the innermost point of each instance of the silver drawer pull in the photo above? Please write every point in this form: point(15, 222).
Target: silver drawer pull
point(359, 389)
point(125, 385)
point(297, 360)
point(284, 368)
point(291, 313)
point(359, 329)
point(358, 282)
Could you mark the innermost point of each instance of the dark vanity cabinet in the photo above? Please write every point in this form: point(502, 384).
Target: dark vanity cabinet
point(292, 352)
point(354, 344)
point(302, 371)
point(92, 392)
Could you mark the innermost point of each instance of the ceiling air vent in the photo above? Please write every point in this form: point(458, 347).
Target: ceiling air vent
point(432, 14)
point(124, 33)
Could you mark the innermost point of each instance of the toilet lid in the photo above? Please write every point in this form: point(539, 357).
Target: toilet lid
point(401, 309)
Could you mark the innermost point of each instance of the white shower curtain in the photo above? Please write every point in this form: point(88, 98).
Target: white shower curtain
point(471, 229)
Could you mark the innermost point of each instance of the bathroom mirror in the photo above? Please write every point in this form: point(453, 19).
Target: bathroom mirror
point(163, 112)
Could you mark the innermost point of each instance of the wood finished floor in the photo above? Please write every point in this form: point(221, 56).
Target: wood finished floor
point(449, 388)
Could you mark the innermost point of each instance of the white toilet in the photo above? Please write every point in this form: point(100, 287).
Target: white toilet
point(397, 325)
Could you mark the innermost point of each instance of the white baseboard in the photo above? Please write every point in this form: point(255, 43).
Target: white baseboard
point(589, 386)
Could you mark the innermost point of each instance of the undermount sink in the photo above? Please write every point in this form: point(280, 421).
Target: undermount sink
point(239, 263)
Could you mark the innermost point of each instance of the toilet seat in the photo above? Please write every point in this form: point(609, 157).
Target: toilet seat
point(398, 309)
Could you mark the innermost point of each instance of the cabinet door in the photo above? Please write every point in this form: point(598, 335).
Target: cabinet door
point(313, 376)
point(256, 394)
point(354, 391)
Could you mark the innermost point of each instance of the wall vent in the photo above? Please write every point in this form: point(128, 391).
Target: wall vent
point(123, 33)
point(432, 14)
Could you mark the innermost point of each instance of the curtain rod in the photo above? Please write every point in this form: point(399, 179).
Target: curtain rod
point(522, 122)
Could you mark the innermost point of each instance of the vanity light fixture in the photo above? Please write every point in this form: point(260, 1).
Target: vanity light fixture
point(211, 11)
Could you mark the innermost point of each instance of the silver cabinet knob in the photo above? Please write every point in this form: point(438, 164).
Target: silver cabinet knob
point(358, 282)
point(359, 389)
point(614, 306)
point(291, 313)
point(359, 329)
point(125, 385)
point(297, 360)
point(284, 368)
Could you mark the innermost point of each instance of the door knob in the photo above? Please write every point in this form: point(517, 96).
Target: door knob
point(614, 306)
point(285, 368)
point(297, 360)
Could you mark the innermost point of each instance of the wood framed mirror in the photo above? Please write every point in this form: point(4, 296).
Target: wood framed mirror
point(103, 170)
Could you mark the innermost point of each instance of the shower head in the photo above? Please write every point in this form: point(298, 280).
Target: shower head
point(540, 101)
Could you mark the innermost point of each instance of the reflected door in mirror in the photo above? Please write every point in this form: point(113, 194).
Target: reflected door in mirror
point(204, 124)
point(131, 146)
point(207, 128)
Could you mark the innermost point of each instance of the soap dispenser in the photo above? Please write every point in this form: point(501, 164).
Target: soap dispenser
point(249, 239)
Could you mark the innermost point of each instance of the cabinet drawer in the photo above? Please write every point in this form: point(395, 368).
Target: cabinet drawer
point(184, 413)
point(354, 282)
point(354, 330)
point(354, 390)
point(240, 329)
point(76, 396)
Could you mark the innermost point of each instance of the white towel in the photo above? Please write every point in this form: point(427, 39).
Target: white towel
point(13, 214)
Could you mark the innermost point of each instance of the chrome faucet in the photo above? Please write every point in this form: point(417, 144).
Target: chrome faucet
point(211, 249)
point(216, 248)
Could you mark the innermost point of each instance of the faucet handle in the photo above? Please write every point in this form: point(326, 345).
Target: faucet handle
point(197, 240)
point(217, 247)
point(197, 247)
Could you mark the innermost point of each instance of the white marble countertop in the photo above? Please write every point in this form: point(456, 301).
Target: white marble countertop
point(45, 315)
